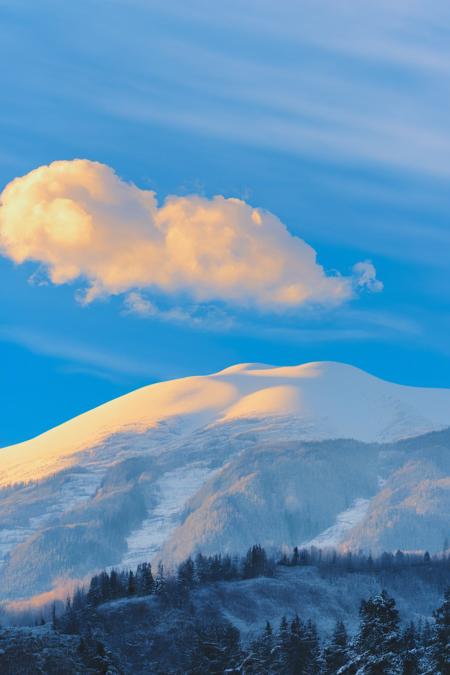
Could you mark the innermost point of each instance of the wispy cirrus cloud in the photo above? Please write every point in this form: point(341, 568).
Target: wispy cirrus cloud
point(80, 221)
point(300, 78)
point(105, 363)
point(351, 83)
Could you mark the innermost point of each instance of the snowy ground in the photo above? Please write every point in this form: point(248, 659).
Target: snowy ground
point(345, 521)
point(175, 489)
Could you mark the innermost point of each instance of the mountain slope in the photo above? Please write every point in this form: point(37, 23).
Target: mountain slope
point(337, 493)
point(325, 400)
point(283, 456)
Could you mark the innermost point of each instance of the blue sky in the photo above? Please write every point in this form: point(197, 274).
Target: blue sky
point(332, 116)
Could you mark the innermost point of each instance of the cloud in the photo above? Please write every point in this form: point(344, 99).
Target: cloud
point(62, 347)
point(366, 277)
point(136, 303)
point(201, 316)
point(80, 221)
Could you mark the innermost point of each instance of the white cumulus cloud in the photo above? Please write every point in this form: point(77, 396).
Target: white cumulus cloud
point(80, 221)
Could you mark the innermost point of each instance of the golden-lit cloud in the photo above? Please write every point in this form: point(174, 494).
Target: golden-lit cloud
point(80, 221)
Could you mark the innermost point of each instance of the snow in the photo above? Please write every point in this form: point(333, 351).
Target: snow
point(270, 401)
point(161, 445)
point(334, 400)
point(78, 487)
point(345, 521)
point(175, 489)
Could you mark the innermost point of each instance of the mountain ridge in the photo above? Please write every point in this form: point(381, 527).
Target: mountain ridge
point(238, 392)
point(320, 452)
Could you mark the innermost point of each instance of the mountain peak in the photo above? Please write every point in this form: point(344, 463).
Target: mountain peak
point(184, 464)
point(319, 399)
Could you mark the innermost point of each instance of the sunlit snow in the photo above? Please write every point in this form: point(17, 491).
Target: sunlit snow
point(343, 400)
point(155, 448)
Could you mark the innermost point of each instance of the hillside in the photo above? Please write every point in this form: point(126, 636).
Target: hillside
point(211, 616)
point(321, 453)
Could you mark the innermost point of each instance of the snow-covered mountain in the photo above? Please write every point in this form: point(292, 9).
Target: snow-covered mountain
point(283, 456)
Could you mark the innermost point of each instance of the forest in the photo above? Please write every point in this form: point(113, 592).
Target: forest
point(125, 621)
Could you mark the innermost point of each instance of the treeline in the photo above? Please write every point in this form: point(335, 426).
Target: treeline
point(331, 562)
point(362, 562)
point(171, 588)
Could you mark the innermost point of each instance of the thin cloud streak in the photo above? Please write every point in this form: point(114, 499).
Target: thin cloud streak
point(65, 349)
point(331, 94)
point(299, 78)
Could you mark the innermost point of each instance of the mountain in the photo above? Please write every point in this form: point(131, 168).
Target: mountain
point(320, 453)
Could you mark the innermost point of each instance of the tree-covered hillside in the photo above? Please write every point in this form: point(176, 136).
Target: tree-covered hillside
point(193, 620)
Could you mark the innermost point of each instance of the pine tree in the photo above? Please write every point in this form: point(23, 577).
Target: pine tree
point(312, 650)
point(114, 585)
point(282, 647)
point(160, 580)
point(201, 568)
point(71, 619)
point(255, 562)
point(216, 649)
point(185, 575)
point(410, 651)
point(377, 643)
point(131, 588)
point(144, 579)
point(296, 649)
point(215, 568)
point(426, 637)
point(105, 586)
point(336, 652)
point(267, 648)
point(79, 599)
point(441, 637)
point(302, 649)
point(94, 595)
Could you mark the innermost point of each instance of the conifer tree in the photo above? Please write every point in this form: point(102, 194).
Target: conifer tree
point(312, 651)
point(114, 584)
point(160, 580)
point(216, 649)
point(410, 651)
point(201, 568)
point(377, 643)
point(336, 651)
point(94, 596)
point(185, 576)
point(131, 588)
point(267, 648)
point(296, 649)
point(441, 637)
point(105, 586)
point(255, 562)
point(283, 647)
point(144, 579)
